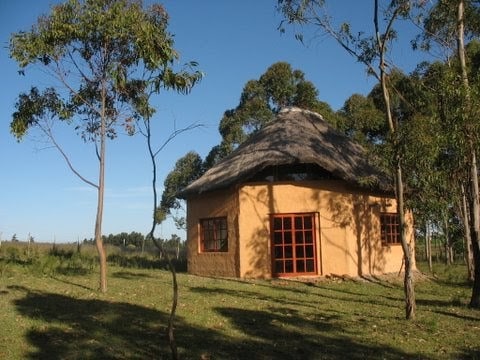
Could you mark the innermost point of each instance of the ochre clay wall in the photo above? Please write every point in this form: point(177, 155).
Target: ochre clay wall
point(347, 222)
point(212, 204)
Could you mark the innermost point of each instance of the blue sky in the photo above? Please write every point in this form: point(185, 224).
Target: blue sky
point(233, 42)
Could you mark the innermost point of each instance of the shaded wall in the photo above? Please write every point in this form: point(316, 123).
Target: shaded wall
point(210, 205)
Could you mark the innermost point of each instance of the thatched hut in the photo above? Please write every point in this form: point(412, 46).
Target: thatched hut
point(296, 199)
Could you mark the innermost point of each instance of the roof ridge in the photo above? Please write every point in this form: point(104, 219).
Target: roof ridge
point(289, 109)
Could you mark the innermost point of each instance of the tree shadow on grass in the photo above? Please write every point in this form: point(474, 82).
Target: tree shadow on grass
point(280, 334)
point(128, 275)
point(286, 296)
point(71, 328)
point(71, 283)
point(279, 331)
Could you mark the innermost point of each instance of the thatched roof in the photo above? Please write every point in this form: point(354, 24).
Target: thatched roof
point(296, 136)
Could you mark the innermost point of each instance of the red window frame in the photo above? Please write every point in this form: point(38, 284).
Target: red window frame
point(214, 235)
point(389, 228)
point(293, 244)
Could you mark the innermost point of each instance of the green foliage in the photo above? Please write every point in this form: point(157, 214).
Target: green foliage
point(440, 25)
point(107, 54)
point(187, 169)
point(60, 260)
point(11, 254)
point(46, 265)
point(47, 259)
point(261, 99)
point(133, 238)
point(438, 138)
point(136, 261)
point(362, 120)
point(35, 106)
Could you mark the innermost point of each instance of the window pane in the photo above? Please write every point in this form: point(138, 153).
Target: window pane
point(289, 266)
point(299, 251)
point(287, 223)
point(278, 252)
point(223, 245)
point(308, 222)
point(298, 222)
point(210, 245)
point(279, 267)
point(309, 251)
point(277, 224)
point(288, 252)
point(310, 266)
point(287, 237)
point(277, 238)
point(300, 266)
point(308, 237)
point(299, 237)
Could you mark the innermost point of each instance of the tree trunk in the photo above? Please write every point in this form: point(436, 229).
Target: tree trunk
point(392, 124)
point(467, 236)
point(409, 289)
point(474, 198)
point(448, 249)
point(475, 230)
point(428, 246)
point(171, 320)
point(99, 242)
point(475, 299)
point(100, 196)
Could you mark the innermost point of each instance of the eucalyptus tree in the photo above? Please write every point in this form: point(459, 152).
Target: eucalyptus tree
point(362, 120)
point(424, 146)
point(371, 50)
point(414, 102)
point(452, 26)
point(280, 86)
point(187, 169)
point(105, 57)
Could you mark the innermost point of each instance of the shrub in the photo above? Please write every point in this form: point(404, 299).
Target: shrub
point(45, 265)
point(145, 262)
point(78, 264)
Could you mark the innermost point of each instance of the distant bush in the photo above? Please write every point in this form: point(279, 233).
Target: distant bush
point(73, 259)
point(45, 265)
point(61, 252)
point(13, 253)
point(145, 262)
point(66, 263)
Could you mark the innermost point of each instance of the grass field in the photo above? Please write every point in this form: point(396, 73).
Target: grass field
point(62, 316)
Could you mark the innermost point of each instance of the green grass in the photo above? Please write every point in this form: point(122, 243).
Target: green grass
point(62, 316)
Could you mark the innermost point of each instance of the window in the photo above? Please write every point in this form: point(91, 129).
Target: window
point(389, 228)
point(293, 244)
point(214, 235)
point(292, 172)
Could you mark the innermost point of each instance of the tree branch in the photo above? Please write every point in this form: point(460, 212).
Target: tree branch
point(48, 132)
point(174, 134)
